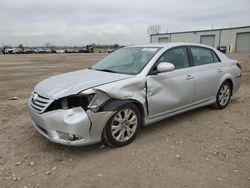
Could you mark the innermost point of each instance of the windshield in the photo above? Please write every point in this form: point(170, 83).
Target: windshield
point(127, 60)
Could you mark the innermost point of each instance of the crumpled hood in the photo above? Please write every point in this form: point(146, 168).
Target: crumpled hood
point(74, 82)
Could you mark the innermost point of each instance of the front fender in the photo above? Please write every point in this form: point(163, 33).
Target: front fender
point(100, 116)
point(116, 104)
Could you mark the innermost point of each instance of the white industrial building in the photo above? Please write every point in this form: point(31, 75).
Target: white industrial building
point(236, 39)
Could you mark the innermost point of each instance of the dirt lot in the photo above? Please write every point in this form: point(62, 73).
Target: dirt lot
point(201, 148)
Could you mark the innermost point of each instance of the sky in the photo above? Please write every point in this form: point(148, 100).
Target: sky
point(81, 22)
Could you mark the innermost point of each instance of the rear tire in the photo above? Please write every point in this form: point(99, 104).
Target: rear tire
point(223, 96)
point(123, 126)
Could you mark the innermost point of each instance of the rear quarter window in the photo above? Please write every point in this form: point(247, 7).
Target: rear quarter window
point(215, 57)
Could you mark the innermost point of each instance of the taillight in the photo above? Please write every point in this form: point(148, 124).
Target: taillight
point(239, 65)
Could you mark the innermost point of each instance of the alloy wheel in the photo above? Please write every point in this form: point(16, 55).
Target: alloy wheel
point(124, 125)
point(224, 95)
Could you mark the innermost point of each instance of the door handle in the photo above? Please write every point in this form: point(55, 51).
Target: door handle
point(220, 71)
point(189, 77)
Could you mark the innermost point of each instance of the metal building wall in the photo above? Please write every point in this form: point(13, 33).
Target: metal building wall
point(242, 42)
point(223, 37)
point(228, 37)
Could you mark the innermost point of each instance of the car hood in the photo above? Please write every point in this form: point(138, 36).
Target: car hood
point(74, 82)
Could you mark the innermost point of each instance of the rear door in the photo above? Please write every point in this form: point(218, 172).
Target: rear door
point(208, 73)
point(171, 91)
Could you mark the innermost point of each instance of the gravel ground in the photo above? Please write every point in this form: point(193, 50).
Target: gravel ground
point(200, 148)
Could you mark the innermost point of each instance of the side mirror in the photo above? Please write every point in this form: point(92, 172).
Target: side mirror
point(165, 67)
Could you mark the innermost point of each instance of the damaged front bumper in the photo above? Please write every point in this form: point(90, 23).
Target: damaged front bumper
point(75, 127)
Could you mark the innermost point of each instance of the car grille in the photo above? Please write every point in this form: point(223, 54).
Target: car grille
point(39, 103)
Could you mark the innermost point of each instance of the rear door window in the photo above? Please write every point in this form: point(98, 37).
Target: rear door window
point(201, 56)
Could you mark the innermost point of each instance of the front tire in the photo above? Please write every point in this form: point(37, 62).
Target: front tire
point(123, 126)
point(223, 96)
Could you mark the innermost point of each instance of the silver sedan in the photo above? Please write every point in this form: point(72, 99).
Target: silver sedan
point(132, 87)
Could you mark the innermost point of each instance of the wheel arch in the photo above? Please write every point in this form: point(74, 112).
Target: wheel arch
point(228, 78)
point(116, 104)
point(141, 109)
point(231, 83)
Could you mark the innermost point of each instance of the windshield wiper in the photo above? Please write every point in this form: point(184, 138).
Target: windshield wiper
point(105, 70)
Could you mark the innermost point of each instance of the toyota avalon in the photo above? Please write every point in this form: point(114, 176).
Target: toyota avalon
point(132, 87)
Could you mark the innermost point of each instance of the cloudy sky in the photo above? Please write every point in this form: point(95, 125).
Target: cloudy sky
point(79, 22)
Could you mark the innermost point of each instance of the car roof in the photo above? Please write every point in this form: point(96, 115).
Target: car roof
point(170, 45)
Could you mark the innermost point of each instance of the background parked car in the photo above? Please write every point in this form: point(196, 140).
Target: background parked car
point(110, 50)
point(8, 51)
point(82, 50)
point(60, 51)
point(71, 50)
point(18, 51)
point(29, 51)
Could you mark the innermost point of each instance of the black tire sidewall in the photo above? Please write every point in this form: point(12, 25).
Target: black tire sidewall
point(108, 132)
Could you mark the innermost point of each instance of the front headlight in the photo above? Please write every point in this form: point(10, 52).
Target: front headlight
point(88, 99)
point(65, 104)
point(98, 99)
point(71, 102)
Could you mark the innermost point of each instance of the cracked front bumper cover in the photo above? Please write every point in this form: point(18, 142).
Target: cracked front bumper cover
point(56, 125)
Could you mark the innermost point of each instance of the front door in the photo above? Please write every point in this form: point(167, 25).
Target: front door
point(171, 91)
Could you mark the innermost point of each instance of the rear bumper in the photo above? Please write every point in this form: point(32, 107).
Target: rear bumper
point(57, 125)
